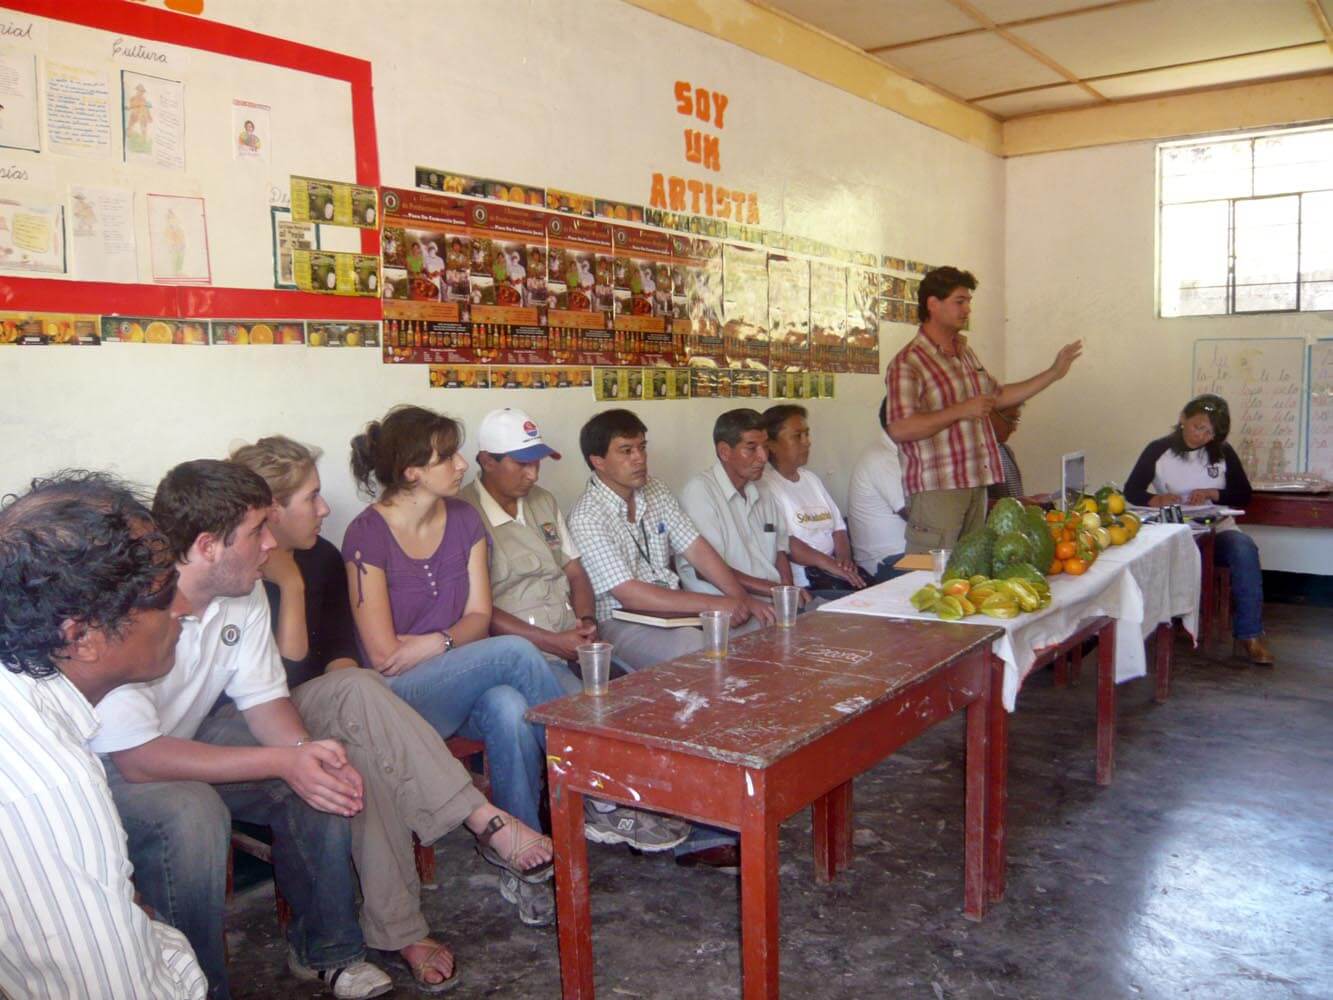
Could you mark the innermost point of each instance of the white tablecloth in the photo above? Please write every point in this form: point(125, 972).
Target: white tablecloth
point(1141, 584)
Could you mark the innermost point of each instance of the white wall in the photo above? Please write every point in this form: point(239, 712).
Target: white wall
point(1080, 246)
point(568, 95)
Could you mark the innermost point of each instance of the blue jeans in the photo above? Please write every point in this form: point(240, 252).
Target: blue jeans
point(482, 691)
point(179, 837)
point(1237, 551)
point(884, 571)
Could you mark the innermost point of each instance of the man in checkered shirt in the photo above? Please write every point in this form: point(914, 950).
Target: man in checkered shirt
point(628, 526)
point(940, 401)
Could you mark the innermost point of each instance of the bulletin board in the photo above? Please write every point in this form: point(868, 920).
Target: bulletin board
point(1319, 455)
point(317, 107)
point(1263, 382)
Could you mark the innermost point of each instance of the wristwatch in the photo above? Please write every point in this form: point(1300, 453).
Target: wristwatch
point(448, 640)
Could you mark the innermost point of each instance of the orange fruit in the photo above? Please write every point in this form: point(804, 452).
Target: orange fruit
point(1057, 566)
point(261, 333)
point(1075, 567)
point(1065, 550)
point(158, 333)
point(1054, 516)
point(1067, 534)
point(1056, 531)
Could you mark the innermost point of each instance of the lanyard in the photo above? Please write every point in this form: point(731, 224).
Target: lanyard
point(643, 549)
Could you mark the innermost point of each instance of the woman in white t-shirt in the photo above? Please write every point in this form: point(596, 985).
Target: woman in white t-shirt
point(821, 554)
point(1195, 465)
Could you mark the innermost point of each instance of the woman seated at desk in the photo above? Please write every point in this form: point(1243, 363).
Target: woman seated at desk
point(1195, 465)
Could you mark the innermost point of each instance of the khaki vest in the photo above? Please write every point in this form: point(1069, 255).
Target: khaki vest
point(526, 578)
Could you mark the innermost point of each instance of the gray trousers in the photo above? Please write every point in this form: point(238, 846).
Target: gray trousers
point(412, 783)
point(936, 519)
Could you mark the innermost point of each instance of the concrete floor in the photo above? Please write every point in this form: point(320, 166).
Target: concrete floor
point(1205, 871)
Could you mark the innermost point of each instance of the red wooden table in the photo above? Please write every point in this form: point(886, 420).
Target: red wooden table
point(787, 720)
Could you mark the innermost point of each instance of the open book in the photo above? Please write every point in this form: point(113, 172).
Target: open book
point(658, 619)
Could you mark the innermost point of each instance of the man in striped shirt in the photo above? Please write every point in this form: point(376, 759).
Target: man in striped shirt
point(940, 399)
point(90, 604)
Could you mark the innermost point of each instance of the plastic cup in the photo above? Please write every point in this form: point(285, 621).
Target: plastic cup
point(595, 665)
point(717, 628)
point(940, 561)
point(785, 602)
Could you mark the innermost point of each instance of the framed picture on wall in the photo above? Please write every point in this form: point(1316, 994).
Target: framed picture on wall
point(178, 236)
point(287, 237)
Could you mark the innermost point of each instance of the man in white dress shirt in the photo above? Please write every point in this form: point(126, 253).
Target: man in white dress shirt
point(90, 604)
point(875, 506)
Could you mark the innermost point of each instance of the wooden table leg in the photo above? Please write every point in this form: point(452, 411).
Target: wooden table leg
point(831, 816)
point(974, 821)
point(1206, 597)
point(1106, 703)
point(571, 891)
point(997, 785)
point(759, 898)
point(1162, 642)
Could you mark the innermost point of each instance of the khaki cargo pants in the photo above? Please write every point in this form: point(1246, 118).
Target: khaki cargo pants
point(936, 519)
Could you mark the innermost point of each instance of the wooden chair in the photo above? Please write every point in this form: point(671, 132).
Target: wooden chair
point(1221, 601)
point(461, 748)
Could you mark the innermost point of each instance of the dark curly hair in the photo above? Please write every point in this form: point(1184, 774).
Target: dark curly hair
point(78, 546)
point(206, 496)
point(408, 437)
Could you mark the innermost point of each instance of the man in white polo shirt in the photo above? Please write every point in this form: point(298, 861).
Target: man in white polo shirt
point(179, 775)
point(91, 604)
point(875, 506)
point(745, 526)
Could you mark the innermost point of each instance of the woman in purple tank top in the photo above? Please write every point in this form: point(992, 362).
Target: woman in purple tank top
point(417, 573)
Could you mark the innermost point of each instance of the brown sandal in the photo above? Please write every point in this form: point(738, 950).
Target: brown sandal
point(539, 872)
point(427, 965)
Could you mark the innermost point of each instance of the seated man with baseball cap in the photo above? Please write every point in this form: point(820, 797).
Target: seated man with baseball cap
point(539, 589)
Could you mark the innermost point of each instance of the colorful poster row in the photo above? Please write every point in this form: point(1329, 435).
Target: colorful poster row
point(52, 329)
point(552, 199)
point(468, 282)
point(621, 384)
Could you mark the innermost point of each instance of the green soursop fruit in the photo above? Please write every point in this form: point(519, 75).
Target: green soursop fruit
point(1023, 571)
point(972, 555)
point(1007, 515)
point(1039, 533)
point(1011, 547)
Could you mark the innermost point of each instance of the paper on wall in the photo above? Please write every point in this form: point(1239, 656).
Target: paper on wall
point(251, 134)
point(178, 238)
point(78, 111)
point(154, 120)
point(18, 101)
point(32, 236)
point(102, 234)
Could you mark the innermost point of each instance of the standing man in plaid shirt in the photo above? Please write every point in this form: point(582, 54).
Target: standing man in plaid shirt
point(940, 401)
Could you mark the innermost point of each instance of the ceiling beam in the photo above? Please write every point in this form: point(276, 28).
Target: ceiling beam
point(1295, 101)
point(1021, 22)
point(1150, 69)
point(1321, 18)
point(972, 11)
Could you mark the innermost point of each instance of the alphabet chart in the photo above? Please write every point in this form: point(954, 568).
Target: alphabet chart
point(1263, 382)
point(1319, 460)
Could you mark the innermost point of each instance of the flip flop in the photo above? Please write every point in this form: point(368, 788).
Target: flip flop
point(539, 872)
point(421, 968)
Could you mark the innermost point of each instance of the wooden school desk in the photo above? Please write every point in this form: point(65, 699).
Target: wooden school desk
point(787, 720)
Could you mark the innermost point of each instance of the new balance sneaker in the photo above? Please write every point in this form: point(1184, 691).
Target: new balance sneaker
point(646, 831)
point(349, 982)
point(535, 901)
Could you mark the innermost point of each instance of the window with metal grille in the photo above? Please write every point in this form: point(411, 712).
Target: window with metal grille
point(1246, 224)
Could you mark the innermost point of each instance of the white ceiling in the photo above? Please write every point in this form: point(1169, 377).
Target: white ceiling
point(1017, 57)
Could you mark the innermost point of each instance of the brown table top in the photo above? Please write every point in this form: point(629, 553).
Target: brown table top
point(777, 690)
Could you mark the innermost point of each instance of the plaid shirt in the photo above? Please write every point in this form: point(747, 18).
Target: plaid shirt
point(1012, 483)
point(921, 379)
point(616, 550)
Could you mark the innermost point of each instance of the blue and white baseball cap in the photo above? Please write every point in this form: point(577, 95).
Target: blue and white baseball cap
point(512, 432)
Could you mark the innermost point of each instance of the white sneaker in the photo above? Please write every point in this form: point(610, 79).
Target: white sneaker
point(349, 982)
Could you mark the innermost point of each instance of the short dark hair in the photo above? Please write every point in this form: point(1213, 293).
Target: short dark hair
point(1219, 415)
point(938, 284)
point(731, 425)
point(78, 546)
point(408, 437)
point(775, 416)
point(206, 495)
point(884, 413)
point(596, 435)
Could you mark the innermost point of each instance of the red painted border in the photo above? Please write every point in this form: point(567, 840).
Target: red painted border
point(49, 294)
